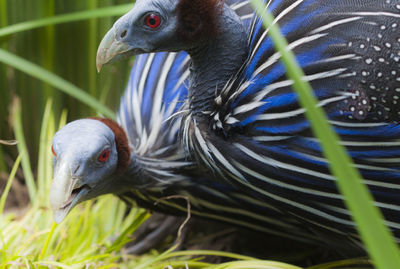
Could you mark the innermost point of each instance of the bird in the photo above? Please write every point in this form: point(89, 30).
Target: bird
point(243, 121)
point(140, 159)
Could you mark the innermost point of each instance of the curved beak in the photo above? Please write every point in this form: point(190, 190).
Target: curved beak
point(111, 49)
point(66, 191)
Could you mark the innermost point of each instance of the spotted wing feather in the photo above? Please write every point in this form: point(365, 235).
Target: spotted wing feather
point(349, 52)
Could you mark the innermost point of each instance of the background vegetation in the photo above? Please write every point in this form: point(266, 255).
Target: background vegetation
point(67, 50)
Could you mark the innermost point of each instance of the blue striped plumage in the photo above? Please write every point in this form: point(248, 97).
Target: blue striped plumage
point(272, 152)
point(146, 74)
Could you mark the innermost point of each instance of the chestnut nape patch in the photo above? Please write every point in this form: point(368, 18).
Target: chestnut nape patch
point(198, 19)
point(121, 141)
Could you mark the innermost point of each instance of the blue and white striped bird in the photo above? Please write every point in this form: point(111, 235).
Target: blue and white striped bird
point(243, 121)
point(140, 157)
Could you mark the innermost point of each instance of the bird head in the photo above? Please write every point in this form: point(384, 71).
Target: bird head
point(89, 155)
point(159, 25)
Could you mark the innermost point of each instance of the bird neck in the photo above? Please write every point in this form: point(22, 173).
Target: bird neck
point(131, 176)
point(216, 60)
point(151, 175)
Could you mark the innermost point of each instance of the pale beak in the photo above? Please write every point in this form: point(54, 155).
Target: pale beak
point(66, 191)
point(111, 49)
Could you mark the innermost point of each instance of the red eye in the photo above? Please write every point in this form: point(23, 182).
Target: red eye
point(52, 150)
point(104, 156)
point(153, 21)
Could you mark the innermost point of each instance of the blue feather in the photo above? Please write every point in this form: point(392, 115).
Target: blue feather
point(150, 85)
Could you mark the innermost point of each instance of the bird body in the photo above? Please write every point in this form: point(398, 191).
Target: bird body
point(150, 113)
point(243, 120)
point(140, 159)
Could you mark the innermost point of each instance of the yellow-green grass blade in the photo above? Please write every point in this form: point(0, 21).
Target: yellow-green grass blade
point(44, 150)
point(22, 148)
point(10, 179)
point(141, 216)
point(255, 264)
point(66, 18)
point(48, 158)
point(92, 49)
point(350, 263)
point(3, 99)
point(47, 49)
point(182, 259)
point(208, 253)
point(63, 119)
point(46, 244)
point(376, 236)
point(54, 80)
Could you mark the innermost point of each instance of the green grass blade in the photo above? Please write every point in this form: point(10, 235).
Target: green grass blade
point(66, 18)
point(92, 49)
point(48, 159)
point(43, 149)
point(47, 50)
point(54, 80)
point(51, 264)
point(63, 119)
point(3, 101)
point(6, 190)
point(350, 263)
point(47, 242)
point(22, 148)
point(377, 238)
point(121, 240)
point(208, 253)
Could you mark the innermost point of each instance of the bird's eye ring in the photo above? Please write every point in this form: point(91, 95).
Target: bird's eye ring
point(52, 150)
point(103, 157)
point(153, 20)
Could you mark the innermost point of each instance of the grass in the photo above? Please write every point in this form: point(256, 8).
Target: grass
point(93, 234)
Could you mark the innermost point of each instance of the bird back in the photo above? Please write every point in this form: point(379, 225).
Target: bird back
point(349, 51)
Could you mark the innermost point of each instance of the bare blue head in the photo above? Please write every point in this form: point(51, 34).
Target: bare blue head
point(209, 30)
point(166, 25)
point(134, 34)
point(87, 163)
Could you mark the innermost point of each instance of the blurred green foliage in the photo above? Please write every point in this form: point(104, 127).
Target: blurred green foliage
point(67, 50)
